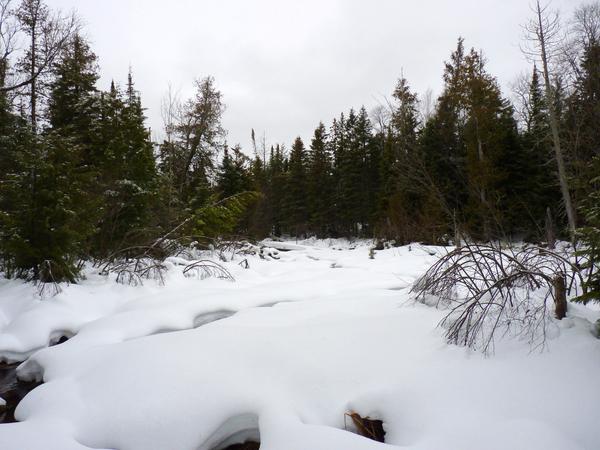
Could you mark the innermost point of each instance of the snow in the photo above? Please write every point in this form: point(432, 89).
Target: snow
point(282, 354)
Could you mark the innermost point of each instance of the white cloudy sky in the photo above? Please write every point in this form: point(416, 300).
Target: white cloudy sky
point(284, 65)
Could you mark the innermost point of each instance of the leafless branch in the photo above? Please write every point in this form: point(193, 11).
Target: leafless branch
point(490, 290)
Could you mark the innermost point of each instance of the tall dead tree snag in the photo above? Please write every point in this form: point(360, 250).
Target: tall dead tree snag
point(489, 290)
point(543, 33)
point(46, 33)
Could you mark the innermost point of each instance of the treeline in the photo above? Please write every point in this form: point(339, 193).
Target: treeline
point(472, 168)
point(81, 179)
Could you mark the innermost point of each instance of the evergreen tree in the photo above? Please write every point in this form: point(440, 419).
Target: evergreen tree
point(590, 236)
point(261, 216)
point(47, 212)
point(351, 185)
point(539, 189)
point(320, 183)
point(44, 209)
point(277, 182)
point(122, 160)
point(397, 204)
point(134, 179)
point(583, 117)
point(477, 136)
point(189, 157)
point(233, 175)
point(296, 198)
point(73, 107)
point(370, 158)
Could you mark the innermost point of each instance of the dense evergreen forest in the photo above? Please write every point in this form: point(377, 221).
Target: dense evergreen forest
point(81, 179)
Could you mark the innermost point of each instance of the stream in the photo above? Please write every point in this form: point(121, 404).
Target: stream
point(12, 391)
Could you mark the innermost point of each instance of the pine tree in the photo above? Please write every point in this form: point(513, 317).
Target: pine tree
point(397, 205)
point(34, 17)
point(539, 189)
point(277, 182)
point(351, 188)
point(135, 186)
point(196, 139)
point(583, 116)
point(261, 216)
point(73, 107)
point(296, 198)
point(590, 236)
point(45, 209)
point(47, 212)
point(320, 183)
point(337, 144)
point(233, 175)
point(480, 154)
point(123, 160)
point(443, 175)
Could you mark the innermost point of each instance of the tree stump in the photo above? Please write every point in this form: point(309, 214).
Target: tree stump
point(560, 296)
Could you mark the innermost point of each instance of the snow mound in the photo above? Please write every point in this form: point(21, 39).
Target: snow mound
point(281, 356)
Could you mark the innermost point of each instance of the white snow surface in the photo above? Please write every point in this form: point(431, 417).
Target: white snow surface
point(301, 340)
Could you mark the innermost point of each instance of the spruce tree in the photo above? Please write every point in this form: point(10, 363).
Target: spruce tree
point(583, 117)
point(233, 176)
point(198, 136)
point(320, 183)
point(539, 189)
point(296, 196)
point(350, 192)
point(397, 205)
point(73, 107)
point(48, 214)
point(277, 182)
point(45, 209)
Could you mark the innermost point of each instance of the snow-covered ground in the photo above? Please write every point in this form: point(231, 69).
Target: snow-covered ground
point(300, 341)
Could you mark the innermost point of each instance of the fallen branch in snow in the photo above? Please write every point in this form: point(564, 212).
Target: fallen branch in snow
point(488, 288)
point(207, 269)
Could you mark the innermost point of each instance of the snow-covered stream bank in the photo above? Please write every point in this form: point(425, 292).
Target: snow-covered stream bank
point(301, 341)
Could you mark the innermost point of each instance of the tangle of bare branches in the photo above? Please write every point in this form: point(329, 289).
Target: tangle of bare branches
point(207, 269)
point(489, 290)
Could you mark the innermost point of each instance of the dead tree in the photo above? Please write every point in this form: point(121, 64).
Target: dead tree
point(8, 36)
point(543, 33)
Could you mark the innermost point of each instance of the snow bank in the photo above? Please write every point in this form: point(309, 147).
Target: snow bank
point(298, 344)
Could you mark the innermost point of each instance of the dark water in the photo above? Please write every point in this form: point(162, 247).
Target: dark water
point(246, 446)
point(12, 391)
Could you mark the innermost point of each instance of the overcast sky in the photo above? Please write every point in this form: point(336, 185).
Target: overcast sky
point(284, 65)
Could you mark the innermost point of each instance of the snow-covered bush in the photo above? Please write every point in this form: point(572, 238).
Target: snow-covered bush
point(490, 290)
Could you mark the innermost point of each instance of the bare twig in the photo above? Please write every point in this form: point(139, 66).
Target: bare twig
point(487, 288)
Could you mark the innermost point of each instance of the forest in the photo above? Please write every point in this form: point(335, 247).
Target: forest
point(422, 274)
point(82, 179)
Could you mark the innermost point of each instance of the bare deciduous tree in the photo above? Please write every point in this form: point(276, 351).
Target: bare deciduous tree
point(47, 34)
point(427, 105)
point(583, 31)
point(8, 33)
point(521, 88)
point(545, 40)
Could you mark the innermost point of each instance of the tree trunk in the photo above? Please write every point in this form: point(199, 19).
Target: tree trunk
point(560, 296)
point(562, 174)
point(550, 236)
point(33, 96)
